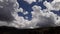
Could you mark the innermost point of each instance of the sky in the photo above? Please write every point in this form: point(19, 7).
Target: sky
point(28, 7)
point(30, 13)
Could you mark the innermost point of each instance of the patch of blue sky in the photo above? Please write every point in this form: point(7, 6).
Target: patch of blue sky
point(28, 7)
point(56, 12)
point(49, 0)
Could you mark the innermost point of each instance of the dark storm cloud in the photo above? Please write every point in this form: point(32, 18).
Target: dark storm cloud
point(5, 11)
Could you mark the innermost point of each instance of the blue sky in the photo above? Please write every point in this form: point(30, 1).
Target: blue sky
point(28, 7)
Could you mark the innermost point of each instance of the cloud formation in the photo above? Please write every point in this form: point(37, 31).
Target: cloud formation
point(54, 5)
point(30, 1)
point(40, 18)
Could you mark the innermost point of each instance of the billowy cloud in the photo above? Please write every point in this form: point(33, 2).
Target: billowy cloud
point(30, 1)
point(40, 18)
point(54, 5)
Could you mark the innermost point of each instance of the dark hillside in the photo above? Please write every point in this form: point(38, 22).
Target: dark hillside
point(11, 30)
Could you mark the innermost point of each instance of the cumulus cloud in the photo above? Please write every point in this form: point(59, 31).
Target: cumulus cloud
point(40, 18)
point(43, 18)
point(30, 1)
point(55, 1)
point(5, 11)
point(48, 5)
point(54, 5)
point(9, 15)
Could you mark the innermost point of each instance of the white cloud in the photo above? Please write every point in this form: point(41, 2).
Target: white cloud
point(40, 18)
point(48, 5)
point(55, 1)
point(26, 12)
point(30, 1)
point(54, 5)
point(20, 10)
point(43, 19)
